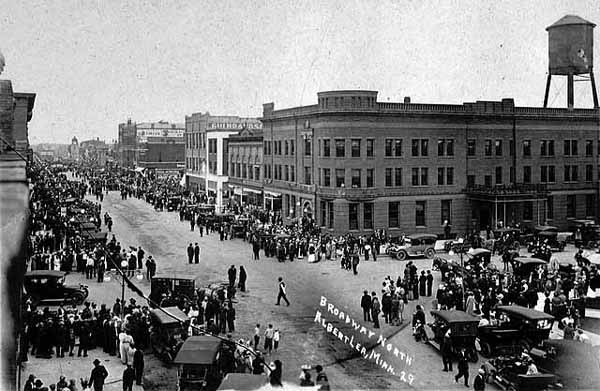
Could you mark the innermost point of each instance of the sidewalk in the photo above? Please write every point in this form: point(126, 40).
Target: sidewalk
point(50, 370)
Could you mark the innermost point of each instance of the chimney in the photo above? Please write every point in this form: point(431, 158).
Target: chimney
point(406, 100)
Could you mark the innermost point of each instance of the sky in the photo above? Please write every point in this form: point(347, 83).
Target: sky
point(93, 64)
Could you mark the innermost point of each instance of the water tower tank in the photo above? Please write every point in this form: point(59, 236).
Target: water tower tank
point(571, 46)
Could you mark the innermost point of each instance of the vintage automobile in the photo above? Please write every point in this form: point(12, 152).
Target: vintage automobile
point(198, 363)
point(548, 235)
point(45, 286)
point(414, 245)
point(243, 382)
point(510, 238)
point(173, 286)
point(463, 331)
point(575, 364)
point(480, 256)
point(509, 372)
point(517, 328)
point(168, 330)
point(590, 233)
point(523, 266)
point(173, 203)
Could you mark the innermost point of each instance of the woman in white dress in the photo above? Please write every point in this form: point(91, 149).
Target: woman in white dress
point(125, 342)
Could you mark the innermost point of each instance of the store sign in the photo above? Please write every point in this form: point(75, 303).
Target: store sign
point(234, 125)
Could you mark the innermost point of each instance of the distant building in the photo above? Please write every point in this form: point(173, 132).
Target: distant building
point(74, 150)
point(94, 151)
point(146, 144)
point(206, 152)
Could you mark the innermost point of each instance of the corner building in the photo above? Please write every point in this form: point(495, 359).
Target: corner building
point(355, 164)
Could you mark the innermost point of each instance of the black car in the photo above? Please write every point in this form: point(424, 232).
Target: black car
point(49, 286)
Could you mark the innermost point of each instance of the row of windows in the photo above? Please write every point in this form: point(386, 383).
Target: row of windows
point(327, 215)
point(547, 175)
point(420, 176)
point(243, 170)
point(420, 147)
point(495, 147)
point(420, 215)
point(195, 140)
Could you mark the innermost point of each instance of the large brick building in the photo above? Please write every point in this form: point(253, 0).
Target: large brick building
point(357, 164)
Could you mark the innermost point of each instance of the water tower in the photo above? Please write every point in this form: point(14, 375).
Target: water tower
point(571, 53)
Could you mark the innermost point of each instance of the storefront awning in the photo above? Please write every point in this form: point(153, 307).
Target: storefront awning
point(248, 190)
point(270, 194)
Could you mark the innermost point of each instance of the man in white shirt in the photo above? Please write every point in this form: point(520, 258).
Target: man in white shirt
point(282, 293)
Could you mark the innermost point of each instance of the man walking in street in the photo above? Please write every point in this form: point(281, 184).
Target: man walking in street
point(463, 367)
point(256, 336)
point(429, 283)
point(365, 303)
point(190, 252)
point(138, 366)
point(97, 377)
point(242, 280)
point(232, 274)
point(128, 378)
point(140, 257)
point(196, 253)
point(282, 294)
point(375, 310)
point(269, 334)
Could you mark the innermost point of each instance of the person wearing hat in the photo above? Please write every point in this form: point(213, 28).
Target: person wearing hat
point(305, 378)
point(275, 374)
point(29, 383)
point(479, 381)
point(128, 377)
point(38, 385)
point(62, 383)
point(98, 375)
point(322, 379)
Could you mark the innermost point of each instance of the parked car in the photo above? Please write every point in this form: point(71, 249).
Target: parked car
point(198, 363)
point(463, 331)
point(548, 235)
point(46, 286)
point(509, 373)
point(167, 332)
point(518, 328)
point(413, 246)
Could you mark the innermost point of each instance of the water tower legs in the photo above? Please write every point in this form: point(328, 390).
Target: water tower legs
point(594, 93)
point(547, 90)
point(570, 92)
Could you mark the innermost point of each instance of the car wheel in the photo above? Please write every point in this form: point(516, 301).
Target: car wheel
point(430, 253)
point(402, 255)
point(77, 298)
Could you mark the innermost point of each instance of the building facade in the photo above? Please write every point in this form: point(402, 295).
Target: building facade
point(206, 152)
point(356, 164)
point(94, 152)
point(245, 167)
point(127, 144)
point(143, 144)
point(23, 112)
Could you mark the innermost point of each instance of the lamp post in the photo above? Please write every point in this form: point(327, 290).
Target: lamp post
point(124, 265)
point(461, 249)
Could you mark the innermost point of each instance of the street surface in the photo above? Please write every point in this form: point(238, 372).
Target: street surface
point(303, 341)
